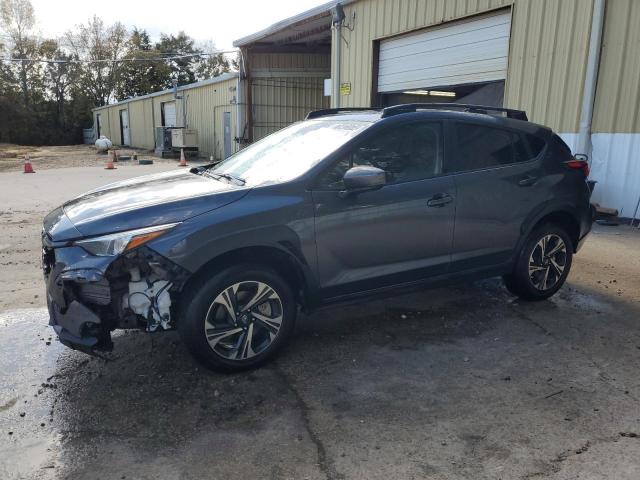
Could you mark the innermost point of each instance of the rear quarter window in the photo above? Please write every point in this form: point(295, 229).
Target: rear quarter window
point(560, 149)
point(527, 147)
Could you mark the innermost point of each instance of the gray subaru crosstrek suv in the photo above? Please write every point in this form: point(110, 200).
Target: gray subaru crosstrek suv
point(348, 203)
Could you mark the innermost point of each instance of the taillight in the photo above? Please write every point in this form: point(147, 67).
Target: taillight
point(579, 165)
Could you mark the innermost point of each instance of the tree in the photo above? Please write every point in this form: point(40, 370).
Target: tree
point(6, 83)
point(183, 70)
point(18, 20)
point(102, 48)
point(142, 73)
point(46, 96)
point(211, 65)
point(58, 76)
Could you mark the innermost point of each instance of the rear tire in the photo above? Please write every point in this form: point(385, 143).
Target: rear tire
point(542, 265)
point(238, 318)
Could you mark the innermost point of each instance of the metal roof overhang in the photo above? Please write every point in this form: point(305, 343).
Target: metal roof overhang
point(310, 27)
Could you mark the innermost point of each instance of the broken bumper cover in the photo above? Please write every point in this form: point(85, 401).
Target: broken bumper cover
point(86, 293)
point(69, 273)
point(71, 326)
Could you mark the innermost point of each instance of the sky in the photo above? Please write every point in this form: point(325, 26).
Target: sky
point(216, 20)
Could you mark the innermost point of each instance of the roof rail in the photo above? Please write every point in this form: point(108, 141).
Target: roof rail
point(333, 111)
point(414, 107)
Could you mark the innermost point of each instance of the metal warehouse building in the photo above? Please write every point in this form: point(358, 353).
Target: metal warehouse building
point(573, 65)
point(207, 106)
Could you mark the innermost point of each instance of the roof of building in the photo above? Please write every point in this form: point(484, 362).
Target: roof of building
point(189, 86)
point(284, 31)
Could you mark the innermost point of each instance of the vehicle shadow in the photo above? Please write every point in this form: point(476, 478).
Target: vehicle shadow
point(148, 383)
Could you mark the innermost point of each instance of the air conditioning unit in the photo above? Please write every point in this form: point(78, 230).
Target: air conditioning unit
point(184, 138)
point(163, 140)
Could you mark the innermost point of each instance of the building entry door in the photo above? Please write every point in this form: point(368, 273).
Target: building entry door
point(124, 127)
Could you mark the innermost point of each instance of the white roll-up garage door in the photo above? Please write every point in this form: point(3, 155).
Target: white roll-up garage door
point(169, 109)
point(467, 51)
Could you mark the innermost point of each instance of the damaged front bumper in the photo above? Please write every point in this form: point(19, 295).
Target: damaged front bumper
point(90, 296)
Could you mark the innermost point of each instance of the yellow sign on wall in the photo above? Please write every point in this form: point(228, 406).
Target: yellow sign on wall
point(345, 89)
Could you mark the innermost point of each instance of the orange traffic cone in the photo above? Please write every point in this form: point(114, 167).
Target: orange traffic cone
point(109, 165)
point(183, 161)
point(28, 168)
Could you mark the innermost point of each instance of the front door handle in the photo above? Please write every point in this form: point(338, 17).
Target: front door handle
point(439, 200)
point(528, 181)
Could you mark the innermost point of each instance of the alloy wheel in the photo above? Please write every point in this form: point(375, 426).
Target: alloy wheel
point(547, 262)
point(243, 320)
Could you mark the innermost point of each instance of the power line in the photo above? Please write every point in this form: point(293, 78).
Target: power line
point(119, 60)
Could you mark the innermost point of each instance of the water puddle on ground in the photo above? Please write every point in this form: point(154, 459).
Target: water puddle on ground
point(30, 353)
point(581, 300)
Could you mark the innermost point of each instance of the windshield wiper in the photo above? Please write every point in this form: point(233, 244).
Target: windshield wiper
point(226, 176)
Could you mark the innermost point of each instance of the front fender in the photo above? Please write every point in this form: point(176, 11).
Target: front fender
point(267, 220)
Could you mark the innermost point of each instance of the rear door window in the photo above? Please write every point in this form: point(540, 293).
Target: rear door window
point(480, 147)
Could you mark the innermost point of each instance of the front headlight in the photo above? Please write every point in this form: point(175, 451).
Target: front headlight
point(116, 243)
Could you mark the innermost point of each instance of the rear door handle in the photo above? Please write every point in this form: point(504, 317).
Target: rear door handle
point(439, 200)
point(528, 181)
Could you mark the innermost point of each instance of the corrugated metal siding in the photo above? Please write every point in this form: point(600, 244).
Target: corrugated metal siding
point(278, 102)
point(618, 91)
point(550, 42)
point(290, 61)
point(205, 107)
point(205, 111)
point(157, 107)
point(114, 124)
point(104, 122)
point(140, 124)
point(285, 87)
point(547, 57)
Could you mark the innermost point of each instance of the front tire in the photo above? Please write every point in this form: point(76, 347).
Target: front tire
point(238, 319)
point(543, 264)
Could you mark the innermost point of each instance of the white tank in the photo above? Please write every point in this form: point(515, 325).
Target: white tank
point(103, 144)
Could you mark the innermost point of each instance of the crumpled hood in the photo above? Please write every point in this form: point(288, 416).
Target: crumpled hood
point(140, 202)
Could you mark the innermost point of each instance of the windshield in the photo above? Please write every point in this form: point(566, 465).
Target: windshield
point(288, 153)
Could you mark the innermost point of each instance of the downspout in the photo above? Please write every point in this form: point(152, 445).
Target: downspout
point(153, 123)
point(590, 81)
point(249, 100)
point(130, 122)
point(240, 103)
point(337, 44)
point(239, 112)
point(184, 109)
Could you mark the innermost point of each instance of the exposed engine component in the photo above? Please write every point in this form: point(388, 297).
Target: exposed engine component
point(149, 297)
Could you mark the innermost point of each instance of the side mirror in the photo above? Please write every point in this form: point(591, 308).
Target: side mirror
point(362, 179)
